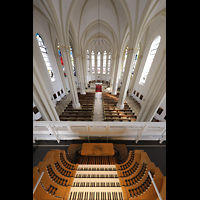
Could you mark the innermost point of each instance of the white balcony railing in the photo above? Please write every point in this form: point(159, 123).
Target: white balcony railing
point(71, 130)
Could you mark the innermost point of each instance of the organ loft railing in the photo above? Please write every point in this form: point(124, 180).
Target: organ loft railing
point(69, 130)
point(154, 184)
point(38, 182)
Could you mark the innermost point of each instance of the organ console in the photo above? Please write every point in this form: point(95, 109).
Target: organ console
point(97, 177)
point(96, 182)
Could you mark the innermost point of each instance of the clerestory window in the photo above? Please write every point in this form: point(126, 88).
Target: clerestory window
point(150, 58)
point(45, 56)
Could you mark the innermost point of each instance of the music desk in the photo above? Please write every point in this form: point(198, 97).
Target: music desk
point(97, 149)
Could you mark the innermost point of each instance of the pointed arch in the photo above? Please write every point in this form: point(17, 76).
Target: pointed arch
point(45, 56)
point(149, 60)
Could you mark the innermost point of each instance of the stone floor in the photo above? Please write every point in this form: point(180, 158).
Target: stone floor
point(98, 107)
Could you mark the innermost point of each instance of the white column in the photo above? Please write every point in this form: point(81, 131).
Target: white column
point(40, 105)
point(101, 66)
point(95, 54)
point(46, 107)
point(126, 79)
point(135, 75)
point(106, 66)
point(77, 74)
point(85, 69)
point(61, 73)
point(80, 72)
point(112, 70)
point(71, 80)
point(43, 92)
point(116, 74)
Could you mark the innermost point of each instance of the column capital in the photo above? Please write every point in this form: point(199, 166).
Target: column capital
point(130, 50)
point(64, 48)
point(78, 55)
point(57, 55)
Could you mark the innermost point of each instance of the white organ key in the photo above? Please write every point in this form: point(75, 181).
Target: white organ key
point(90, 167)
point(96, 182)
point(96, 189)
point(96, 195)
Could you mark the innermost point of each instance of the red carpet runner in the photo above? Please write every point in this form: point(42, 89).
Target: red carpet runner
point(98, 88)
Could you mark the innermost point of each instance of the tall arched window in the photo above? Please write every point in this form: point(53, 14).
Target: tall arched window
point(135, 60)
point(88, 61)
point(108, 67)
point(93, 62)
point(72, 59)
point(43, 50)
point(150, 57)
point(98, 62)
point(125, 58)
point(61, 59)
point(104, 61)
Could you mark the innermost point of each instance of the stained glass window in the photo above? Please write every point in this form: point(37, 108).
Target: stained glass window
point(88, 61)
point(150, 57)
point(98, 63)
point(45, 56)
point(125, 58)
point(72, 59)
point(61, 60)
point(109, 59)
point(104, 61)
point(135, 60)
point(93, 62)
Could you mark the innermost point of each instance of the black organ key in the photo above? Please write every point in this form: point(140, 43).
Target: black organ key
point(100, 189)
point(92, 184)
point(74, 196)
point(82, 184)
point(79, 196)
point(120, 196)
point(109, 195)
point(70, 197)
point(97, 196)
point(86, 196)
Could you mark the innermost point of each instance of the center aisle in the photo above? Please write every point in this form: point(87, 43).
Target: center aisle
point(98, 107)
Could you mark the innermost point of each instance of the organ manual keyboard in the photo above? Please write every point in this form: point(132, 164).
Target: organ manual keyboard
point(97, 177)
point(96, 182)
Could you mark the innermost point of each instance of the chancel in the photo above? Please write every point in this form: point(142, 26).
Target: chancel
point(99, 99)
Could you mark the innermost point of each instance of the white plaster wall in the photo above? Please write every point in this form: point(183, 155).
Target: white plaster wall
point(40, 25)
point(158, 27)
point(37, 115)
point(163, 114)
